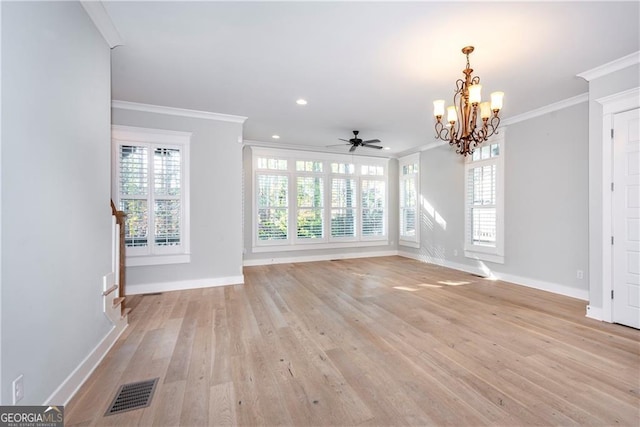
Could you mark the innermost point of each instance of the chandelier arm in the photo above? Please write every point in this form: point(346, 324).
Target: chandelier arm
point(474, 117)
point(460, 100)
point(494, 122)
point(441, 131)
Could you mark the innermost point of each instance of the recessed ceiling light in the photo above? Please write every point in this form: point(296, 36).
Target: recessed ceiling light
point(387, 148)
point(275, 136)
point(301, 101)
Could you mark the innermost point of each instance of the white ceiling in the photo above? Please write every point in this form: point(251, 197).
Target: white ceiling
point(371, 66)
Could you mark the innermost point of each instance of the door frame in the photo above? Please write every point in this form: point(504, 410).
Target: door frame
point(611, 105)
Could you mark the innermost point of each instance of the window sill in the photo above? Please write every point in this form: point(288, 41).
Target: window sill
point(484, 256)
point(138, 261)
point(409, 244)
point(311, 246)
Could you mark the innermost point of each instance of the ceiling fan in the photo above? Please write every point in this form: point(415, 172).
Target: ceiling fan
point(356, 142)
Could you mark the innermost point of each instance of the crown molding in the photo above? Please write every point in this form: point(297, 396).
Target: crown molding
point(103, 22)
point(159, 109)
point(560, 105)
point(611, 67)
point(314, 149)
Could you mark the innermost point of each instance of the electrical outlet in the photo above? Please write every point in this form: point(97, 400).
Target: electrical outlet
point(455, 252)
point(18, 389)
point(579, 274)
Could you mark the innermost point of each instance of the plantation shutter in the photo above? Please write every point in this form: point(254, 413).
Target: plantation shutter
point(481, 193)
point(343, 207)
point(310, 207)
point(133, 188)
point(167, 176)
point(373, 201)
point(408, 198)
point(273, 211)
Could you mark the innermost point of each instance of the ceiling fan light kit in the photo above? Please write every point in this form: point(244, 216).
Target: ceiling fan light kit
point(462, 128)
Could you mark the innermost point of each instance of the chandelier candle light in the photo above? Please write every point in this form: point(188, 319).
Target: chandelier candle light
point(462, 129)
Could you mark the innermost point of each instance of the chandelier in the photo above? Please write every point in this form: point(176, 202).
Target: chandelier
point(463, 129)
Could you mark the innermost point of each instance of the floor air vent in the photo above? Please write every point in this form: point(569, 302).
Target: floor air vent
point(132, 396)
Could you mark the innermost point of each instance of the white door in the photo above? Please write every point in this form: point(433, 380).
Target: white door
point(626, 218)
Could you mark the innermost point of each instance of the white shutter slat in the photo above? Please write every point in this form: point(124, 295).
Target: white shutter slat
point(167, 222)
point(133, 193)
point(134, 173)
point(273, 198)
point(167, 172)
point(373, 200)
point(310, 205)
point(482, 205)
point(343, 207)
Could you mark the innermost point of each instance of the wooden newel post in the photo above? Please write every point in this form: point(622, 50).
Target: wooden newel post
point(120, 215)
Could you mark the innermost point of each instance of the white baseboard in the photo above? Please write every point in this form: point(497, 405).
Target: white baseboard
point(149, 288)
point(555, 288)
point(595, 313)
point(312, 258)
point(443, 263)
point(70, 386)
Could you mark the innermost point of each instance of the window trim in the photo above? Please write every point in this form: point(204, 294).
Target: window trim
point(403, 239)
point(487, 253)
point(175, 139)
point(293, 243)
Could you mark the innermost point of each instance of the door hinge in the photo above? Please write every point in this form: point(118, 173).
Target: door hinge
point(611, 293)
point(612, 186)
point(611, 133)
point(612, 240)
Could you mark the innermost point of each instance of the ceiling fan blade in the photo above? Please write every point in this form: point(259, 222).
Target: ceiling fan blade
point(371, 141)
point(335, 145)
point(345, 140)
point(352, 149)
point(373, 146)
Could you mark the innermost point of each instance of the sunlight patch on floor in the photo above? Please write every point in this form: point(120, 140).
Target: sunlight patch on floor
point(413, 289)
point(428, 285)
point(453, 283)
point(406, 288)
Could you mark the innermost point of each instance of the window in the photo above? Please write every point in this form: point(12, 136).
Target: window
point(373, 207)
point(409, 181)
point(344, 202)
point(273, 207)
point(484, 222)
point(151, 185)
point(310, 222)
point(312, 201)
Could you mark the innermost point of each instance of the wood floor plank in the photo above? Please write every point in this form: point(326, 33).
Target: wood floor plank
point(222, 405)
point(170, 399)
point(374, 341)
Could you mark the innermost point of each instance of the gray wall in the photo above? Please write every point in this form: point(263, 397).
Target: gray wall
point(546, 198)
point(56, 219)
point(268, 257)
point(627, 78)
point(216, 199)
point(546, 202)
point(441, 188)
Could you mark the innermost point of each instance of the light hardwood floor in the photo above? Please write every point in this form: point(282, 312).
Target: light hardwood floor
point(377, 341)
